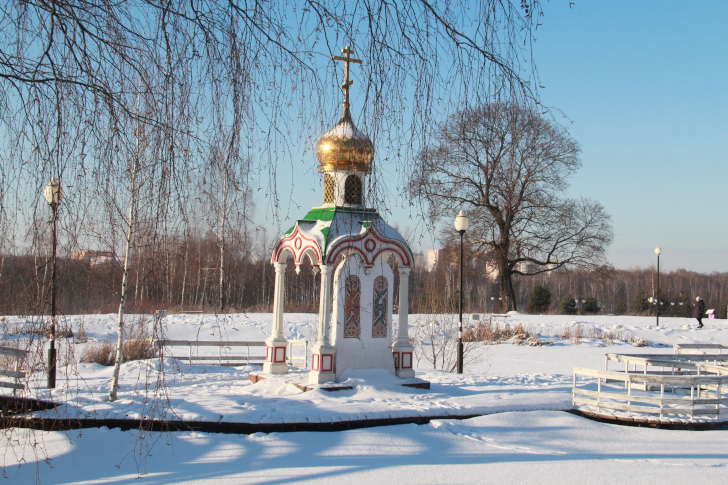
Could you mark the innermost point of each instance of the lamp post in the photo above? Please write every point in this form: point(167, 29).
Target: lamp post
point(658, 251)
point(53, 194)
point(461, 225)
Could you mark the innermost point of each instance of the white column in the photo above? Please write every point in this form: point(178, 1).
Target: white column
point(403, 327)
point(324, 305)
point(278, 300)
point(402, 348)
point(323, 353)
point(275, 362)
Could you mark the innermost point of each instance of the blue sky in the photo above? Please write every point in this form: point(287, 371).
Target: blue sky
point(643, 88)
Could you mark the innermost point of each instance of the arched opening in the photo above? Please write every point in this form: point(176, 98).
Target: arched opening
point(353, 190)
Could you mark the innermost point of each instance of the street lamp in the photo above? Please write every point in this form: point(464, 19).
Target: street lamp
point(53, 194)
point(461, 225)
point(658, 251)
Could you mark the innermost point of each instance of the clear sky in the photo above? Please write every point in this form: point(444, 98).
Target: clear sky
point(643, 86)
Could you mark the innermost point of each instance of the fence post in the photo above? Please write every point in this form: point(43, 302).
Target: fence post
point(629, 397)
point(599, 394)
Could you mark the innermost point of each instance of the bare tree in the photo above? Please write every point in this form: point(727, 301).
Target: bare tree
point(81, 67)
point(508, 167)
point(226, 205)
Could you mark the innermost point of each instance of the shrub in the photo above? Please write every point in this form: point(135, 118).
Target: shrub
point(491, 332)
point(103, 353)
point(138, 349)
point(539, 301)
point(137, 346)
point(641, 305)
point(567, 305)
point(590, 306)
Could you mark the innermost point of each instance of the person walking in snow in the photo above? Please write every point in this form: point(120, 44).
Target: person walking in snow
point(699, 310)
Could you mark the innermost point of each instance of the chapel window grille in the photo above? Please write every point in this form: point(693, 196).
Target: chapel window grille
point(328, 189)
point(352, 322)
point(379, 324)
point(353, 190)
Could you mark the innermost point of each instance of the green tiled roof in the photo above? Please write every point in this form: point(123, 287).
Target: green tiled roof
point(321, 220)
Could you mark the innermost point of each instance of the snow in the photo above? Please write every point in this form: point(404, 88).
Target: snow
point(524, 435)
point(346, 130)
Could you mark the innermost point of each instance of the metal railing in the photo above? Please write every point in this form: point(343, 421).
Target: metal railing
point(223, 358)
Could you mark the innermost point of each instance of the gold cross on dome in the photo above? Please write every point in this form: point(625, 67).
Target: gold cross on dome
point(348, 59)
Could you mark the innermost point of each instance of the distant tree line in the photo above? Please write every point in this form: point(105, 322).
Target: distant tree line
point(604, 290)
point(182, 273)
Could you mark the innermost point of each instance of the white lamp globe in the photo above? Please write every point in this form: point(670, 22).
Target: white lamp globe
point(461, 222)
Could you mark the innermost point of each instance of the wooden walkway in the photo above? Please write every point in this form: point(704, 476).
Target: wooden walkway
point(679, 387)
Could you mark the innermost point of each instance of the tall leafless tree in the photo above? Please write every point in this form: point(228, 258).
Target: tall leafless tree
point(80, 67)
point(508, 166)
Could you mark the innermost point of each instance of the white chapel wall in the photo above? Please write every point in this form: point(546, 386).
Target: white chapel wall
point(364, 351)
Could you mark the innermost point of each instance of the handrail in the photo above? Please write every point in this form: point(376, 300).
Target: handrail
point(220, 344)
point(210, 343)
point(650, 393)
point(694, 348)
point(15, 374)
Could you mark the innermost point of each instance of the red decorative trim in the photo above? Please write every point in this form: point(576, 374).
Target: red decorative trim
point(297, 243)
point(280, 350)
point(370, 245)
point(269, 354)
point(406, 360)
point(355, 243)
point(396, 360)
point(315, 362)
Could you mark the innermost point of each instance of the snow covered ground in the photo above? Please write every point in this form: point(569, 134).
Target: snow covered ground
point(525, 436)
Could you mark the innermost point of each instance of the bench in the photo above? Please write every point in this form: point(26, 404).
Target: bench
point(15, 373)
point(193, 357)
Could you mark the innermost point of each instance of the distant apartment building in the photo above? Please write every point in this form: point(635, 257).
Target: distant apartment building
point(433, 257)
point(94, 257)
point(484, 259)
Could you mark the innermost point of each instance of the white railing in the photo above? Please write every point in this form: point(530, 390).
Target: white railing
point(223, 358)
point(674, 387)
point(698, 348)
point(15, 373)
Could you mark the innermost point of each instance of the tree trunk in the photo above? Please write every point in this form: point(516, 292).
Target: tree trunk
point(505, 283)
point(125, 279)
point(222, 273)
point(199, 274)
point(184, 276)
point(223, 220)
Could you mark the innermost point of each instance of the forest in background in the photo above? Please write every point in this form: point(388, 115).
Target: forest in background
point(182, 273)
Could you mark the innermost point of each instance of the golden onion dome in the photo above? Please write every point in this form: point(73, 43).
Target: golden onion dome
point(344, 147)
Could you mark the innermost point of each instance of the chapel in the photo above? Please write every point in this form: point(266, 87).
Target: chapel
point(352, 247)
